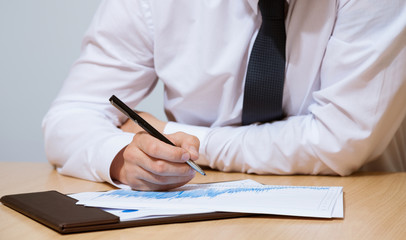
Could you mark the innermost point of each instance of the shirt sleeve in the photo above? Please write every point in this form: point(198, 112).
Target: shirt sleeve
point(80, 129)
point(355, 114)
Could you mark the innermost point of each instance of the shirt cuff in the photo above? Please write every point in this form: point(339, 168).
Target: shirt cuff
point(200, 132)
point(107, 153)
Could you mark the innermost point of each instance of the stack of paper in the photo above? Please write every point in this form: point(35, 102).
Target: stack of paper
point(246, 196)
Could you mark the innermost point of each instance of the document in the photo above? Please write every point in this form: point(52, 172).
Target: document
point(246, 196)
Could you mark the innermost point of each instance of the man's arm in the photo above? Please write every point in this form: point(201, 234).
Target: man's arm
point(81, 128)
point(356, 112)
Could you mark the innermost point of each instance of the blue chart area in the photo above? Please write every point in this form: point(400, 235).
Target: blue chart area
point(197, 193)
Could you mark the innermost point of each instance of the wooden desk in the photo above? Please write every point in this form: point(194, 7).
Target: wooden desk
point(374, 208)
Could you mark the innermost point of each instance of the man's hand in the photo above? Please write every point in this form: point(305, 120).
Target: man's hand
point(150, 164)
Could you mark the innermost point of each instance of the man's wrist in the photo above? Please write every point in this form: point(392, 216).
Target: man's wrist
point(117, 172)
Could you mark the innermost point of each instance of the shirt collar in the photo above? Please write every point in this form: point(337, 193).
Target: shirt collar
point(254, 5)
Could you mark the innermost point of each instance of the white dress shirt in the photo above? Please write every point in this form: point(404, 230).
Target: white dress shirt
point(344, 94)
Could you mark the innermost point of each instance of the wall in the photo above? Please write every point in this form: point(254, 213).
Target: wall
point(39, 41)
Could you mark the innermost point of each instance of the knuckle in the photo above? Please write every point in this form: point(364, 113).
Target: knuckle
point(194, 140)
point(188, 138)
point(159, 167)
point(137, 137)
point(130, 153)
point(152, 147)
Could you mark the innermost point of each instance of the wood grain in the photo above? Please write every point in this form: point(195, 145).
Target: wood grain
point(374, 208)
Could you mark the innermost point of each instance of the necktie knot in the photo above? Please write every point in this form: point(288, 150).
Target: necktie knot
point(272, 9)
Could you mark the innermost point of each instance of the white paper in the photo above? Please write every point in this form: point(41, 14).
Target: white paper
point(130, 214)
point(245, 196)
point(147, 213)
point(338, 211)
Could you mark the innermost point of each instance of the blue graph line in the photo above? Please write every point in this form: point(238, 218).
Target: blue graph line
point(129, 210)
point(197, 193)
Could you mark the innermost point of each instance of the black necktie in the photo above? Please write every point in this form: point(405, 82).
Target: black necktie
point(266, 68)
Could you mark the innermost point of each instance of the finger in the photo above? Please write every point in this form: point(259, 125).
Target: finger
point(157, 149)
point(135, 156)
point(141, 179)
point(153, 179)
point(188, 142)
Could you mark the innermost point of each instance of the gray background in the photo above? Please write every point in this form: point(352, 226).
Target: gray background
point(39, 41)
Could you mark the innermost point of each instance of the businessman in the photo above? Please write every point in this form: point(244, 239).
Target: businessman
point(268, 87)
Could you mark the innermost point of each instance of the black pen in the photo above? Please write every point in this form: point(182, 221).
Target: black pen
point(148, 128)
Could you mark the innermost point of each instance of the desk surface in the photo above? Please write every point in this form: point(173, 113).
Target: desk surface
point(374, 208)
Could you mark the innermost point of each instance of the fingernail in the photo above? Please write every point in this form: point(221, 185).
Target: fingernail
point(185, 157)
